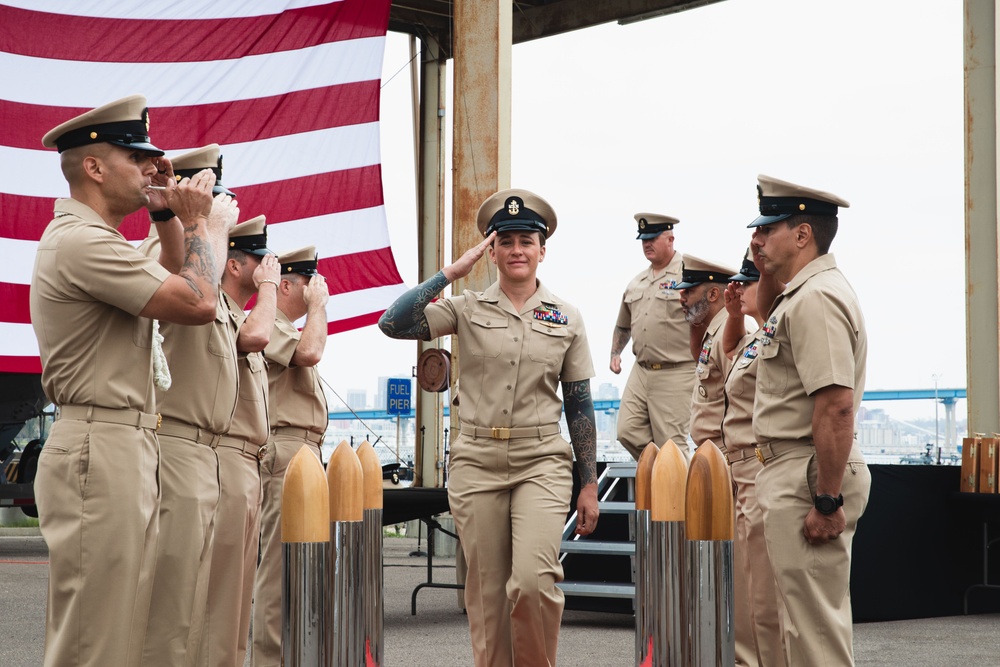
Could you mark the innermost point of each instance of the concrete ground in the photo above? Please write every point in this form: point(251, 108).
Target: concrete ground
point(438, 634)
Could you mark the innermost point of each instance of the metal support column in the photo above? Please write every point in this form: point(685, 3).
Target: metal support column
point(981, 224)
point(481, 151)
point(430, 246)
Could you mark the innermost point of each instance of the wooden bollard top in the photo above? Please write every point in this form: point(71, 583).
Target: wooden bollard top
point(372, 469)
point(305, 503)
point(667, 486)
point(346, 481)
point(644, 476)
point(709, 496)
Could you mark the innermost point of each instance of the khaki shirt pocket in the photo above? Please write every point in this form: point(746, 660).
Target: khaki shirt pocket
point(142, 333)
point(772, 376)
point(488, 332)
point(251, 391)
point(547, 345)
point(219, 343)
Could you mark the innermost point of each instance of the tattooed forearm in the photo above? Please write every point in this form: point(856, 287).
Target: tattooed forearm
point(579, 406)
point(620, 340)
point(405, 317)
point(199, 269)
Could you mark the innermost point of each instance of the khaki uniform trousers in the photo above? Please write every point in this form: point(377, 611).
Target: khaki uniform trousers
point(266, 651)
point(189, 477)
point(234, 560)
point(656, 407)
point(814, 581)
point(510, 499)
point(98, 497)
point(751, 559)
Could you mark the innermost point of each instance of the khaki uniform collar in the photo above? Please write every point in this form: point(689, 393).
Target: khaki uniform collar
point(817, 266)
point(717, 321)
point(673, 266)
point(542, 296)
point(79, 209)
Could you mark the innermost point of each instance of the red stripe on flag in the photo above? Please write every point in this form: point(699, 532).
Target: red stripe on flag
point(32, 33)
point(25, 218)
point(351, 323)
point(239, 121)
point(14, 300)
point(25, 364)
point(358, 271)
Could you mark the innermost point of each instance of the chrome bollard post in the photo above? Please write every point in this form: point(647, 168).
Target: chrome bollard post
point(345, 616)
point(709, 526)
point(372, 588)
point(305, 537)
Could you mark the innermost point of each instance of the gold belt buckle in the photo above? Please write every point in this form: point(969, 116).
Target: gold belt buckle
point(760, 455)
point(262, 452)
point(159, 421)
point(655, 367)
point(500, 433)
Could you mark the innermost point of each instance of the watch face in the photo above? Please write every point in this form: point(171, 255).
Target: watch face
point(826, 504)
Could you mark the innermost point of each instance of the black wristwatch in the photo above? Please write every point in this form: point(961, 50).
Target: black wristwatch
point(826, 504)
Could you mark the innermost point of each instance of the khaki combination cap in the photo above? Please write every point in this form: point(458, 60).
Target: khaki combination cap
point(207, 157)
point(696, 271)
point(516, 210)
point(652, 225)
point(303, 261)
point(124, 123)
point(748, 272)
point(251, 237)
point(779, 199)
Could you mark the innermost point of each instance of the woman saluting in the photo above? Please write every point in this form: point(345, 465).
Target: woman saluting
point(510, 472)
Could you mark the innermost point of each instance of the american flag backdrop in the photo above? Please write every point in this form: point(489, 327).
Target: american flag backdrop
point(288, 88)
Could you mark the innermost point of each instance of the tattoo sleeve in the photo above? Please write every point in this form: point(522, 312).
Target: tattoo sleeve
point(405, 318)
point(579, 406)
point(620, 340)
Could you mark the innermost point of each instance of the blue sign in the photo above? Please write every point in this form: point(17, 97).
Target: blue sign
point(397, 392)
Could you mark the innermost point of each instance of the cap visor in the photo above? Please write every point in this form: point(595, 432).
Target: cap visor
point(685, 285)
point(147, 148)
point(768, 219)
point(261, 252)
point(646, 237)
point(740, 277)
point(222, 190)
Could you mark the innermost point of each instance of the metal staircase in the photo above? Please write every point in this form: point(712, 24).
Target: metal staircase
point(600, 569)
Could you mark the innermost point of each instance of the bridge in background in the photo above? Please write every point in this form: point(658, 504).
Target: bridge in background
point(947, 397)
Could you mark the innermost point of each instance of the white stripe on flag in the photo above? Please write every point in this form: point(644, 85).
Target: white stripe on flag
point(18, 262)
point(91, 84)
point(18, 340)
point(36, 173)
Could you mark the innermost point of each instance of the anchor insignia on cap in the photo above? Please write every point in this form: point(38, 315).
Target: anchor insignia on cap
point(513, 207)
point(145, 118)
point(642, 223)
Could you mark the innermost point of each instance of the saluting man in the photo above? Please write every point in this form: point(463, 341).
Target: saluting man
point(656, 403)
point(510, 477)
point(197, 411)
point(298, 417)
point(810, 380)
point(251, 270)
point(93, 300)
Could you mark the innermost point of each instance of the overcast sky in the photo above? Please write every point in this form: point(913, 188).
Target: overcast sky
point(678, 115)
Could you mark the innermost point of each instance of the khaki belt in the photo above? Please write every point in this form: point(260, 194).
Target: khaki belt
point(662, 365)
point(180, 429)
point(302, 433)
point(773, 450)
point(124, 416)
point(251, 449)
point(506, 433)
point(741, 454)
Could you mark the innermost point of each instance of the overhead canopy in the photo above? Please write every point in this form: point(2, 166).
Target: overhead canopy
point(532, 19)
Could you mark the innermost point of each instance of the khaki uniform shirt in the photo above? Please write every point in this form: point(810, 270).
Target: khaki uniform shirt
point(510, 362)
point(651, 308)
point(741, 385)
point(296, 395)
point(813, 337)
point(202, 363)
point(250, 418)
point(87, 289)
point(708, 400)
